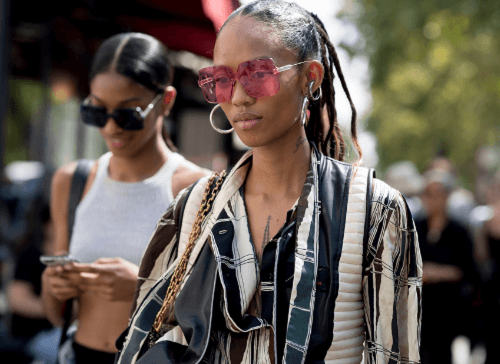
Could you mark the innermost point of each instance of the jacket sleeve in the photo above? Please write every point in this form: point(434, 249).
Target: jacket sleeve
point(161, 250)
point(392, 281)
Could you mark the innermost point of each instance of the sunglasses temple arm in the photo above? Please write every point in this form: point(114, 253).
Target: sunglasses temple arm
point(287, 67)
point(145, 113)
point(284, 68)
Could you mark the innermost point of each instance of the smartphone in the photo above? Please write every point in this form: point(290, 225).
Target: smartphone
point(57, 259)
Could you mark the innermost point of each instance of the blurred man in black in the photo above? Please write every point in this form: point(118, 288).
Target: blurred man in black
point(448, 272)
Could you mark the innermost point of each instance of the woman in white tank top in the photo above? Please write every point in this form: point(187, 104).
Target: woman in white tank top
point(127, 191)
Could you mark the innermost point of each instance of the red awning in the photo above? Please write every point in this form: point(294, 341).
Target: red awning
point(189, 24)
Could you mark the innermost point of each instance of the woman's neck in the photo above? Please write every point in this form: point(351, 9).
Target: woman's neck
point(280, 170)
point(141, 165)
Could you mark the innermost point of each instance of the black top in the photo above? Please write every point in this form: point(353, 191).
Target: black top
point(454, 247)
point(492, 289)
point(29, 269)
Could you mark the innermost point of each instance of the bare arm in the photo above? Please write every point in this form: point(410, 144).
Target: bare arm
point(441, 273)
point(481, 249)
point(56, 287)
point(23, 300)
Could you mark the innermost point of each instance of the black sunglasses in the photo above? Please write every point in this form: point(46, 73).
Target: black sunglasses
point(127, 119)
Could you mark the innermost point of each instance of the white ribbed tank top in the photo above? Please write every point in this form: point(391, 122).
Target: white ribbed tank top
point(117, 219)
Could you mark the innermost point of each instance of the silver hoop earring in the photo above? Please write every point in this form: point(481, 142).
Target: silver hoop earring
point(303, 115)
point(310, 93)
point(213, 125)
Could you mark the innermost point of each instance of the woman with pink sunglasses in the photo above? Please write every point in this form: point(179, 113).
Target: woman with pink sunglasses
point(295, 256)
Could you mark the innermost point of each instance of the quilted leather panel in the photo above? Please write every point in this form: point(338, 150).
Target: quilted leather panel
point(348, 331)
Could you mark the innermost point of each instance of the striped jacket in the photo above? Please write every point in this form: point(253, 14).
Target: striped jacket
point(356, 285)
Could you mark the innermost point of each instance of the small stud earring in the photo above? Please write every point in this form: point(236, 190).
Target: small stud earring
point(168, 98)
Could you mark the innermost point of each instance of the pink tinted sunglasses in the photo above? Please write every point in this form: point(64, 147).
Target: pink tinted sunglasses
point(259, 77)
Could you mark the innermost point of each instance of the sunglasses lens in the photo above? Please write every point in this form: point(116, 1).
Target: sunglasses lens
point(207, 84)
point(259, 77)
point(128, 119)
point(93, 115)
point(216, 83)
point(224, 78)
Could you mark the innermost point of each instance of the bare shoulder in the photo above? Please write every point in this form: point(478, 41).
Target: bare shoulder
point(185, 175)
point(59, 199)
point(61, 182)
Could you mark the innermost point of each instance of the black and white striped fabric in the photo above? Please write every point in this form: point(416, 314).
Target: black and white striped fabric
point(377, 309)
point(239, 274)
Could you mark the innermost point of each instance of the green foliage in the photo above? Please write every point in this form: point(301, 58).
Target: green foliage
point(435, 78)
point(26, 98)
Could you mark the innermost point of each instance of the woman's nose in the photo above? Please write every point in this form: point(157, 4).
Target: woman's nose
point(240, 95)
point(111, 126)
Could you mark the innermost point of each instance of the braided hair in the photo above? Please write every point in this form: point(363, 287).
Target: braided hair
point(304, 33)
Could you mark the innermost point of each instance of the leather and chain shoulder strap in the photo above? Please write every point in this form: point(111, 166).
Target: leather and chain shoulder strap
point(180, 270)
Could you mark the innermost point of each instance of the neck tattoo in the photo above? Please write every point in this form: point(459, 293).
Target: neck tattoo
point(298, 143)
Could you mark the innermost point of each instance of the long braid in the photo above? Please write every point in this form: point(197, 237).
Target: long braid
point(331, 135)
point(333, 141)
point(354, 133)
point(315, 127)
point(334, 135)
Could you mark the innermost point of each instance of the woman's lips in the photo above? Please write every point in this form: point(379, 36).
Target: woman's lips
point(115, 142)
point(247, 124)
point(247, 120)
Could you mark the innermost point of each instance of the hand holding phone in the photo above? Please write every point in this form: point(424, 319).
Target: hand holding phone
point(57, 280)
point(57, 259)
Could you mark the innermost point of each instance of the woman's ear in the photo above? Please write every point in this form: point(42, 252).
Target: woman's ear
point(314, 71)
point(169, 99)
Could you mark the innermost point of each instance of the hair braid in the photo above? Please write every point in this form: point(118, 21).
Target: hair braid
point(334, 139)
point(334, 135)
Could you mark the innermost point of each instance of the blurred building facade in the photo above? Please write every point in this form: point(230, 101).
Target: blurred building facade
point(49, 54)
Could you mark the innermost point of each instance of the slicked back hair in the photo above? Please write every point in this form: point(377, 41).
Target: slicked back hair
point(140, 57)
point(304, 33)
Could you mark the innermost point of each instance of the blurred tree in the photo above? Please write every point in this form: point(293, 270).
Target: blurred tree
point(26, 99)
point(435, 77)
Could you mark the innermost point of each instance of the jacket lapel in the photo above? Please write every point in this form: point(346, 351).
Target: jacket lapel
point(300, 314)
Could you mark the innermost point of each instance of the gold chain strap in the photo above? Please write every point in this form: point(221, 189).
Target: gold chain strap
point(180, 270)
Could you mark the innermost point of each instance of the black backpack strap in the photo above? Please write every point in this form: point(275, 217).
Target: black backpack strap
point(78, 181)
point(366, 234)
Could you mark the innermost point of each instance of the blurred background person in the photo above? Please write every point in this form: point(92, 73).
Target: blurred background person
point(29, 322)
point(127, 191)
point(405, 177)
point(449, 273)
point(461, 201)
point(487, 253)
point(22, 237)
